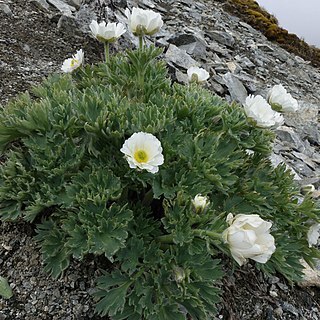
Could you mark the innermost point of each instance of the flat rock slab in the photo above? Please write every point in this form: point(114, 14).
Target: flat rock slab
point(237, 90)
point(179, 57)
point(311, 276)
point(62, 7)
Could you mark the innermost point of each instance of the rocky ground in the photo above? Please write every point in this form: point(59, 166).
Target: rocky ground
point(37, 35)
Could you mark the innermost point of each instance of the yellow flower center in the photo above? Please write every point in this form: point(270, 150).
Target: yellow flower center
point(141, 156)
point(74, 62)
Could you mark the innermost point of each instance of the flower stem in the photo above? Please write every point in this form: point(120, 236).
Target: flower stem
point(140, 42)
point(148, 197)
point(168, 238)
point(106, 51)
point(211, 234)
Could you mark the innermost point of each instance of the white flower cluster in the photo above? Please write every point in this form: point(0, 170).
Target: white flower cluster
point(262, 112)
point(141, 22)
point(259, 110)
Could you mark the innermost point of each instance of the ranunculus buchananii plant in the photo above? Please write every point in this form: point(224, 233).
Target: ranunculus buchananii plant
point(153, 177)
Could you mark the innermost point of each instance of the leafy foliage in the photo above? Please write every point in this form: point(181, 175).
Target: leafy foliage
point(64, 170)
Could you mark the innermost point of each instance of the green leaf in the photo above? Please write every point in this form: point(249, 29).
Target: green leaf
point(56, 254)
point(5, 289)
point(169, 313)
point(112, 289)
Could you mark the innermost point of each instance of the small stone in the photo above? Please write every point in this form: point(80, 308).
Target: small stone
point(288, 307)
point(5, 9)
point(26, 48)
point(6, 247)
point(282, 286)
point(278, 311)
point(273, 294)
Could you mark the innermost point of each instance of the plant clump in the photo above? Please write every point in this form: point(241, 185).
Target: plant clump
point(115, 161)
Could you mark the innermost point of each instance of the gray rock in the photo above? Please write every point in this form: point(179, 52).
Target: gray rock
point(246, 63)
point(41, 4)
point(67, 23)
point(63, 7)
point(278, 159)
point(222, 37)
point(311, 277)
point(192, 44)
point(288, 135)
point(218, 88)
point(265, 47)
point(6, 9)
point(306, 122)
point(84, 16)
point(288, 307)
point(179, 57)
point(120, 3)
point(74, 3)
point(237, 90)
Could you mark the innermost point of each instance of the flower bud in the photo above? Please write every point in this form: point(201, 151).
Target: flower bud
point(179, 274)
point(200, 202)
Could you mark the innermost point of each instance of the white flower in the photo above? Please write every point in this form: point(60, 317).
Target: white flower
point(249, 237)
point(200, 202)
point(313, 234)
point(144, 22)
point(197, 74)
point(258, 109)
point(280, 99)
point(143, 150)
point(73, 63)
point(107, 33)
